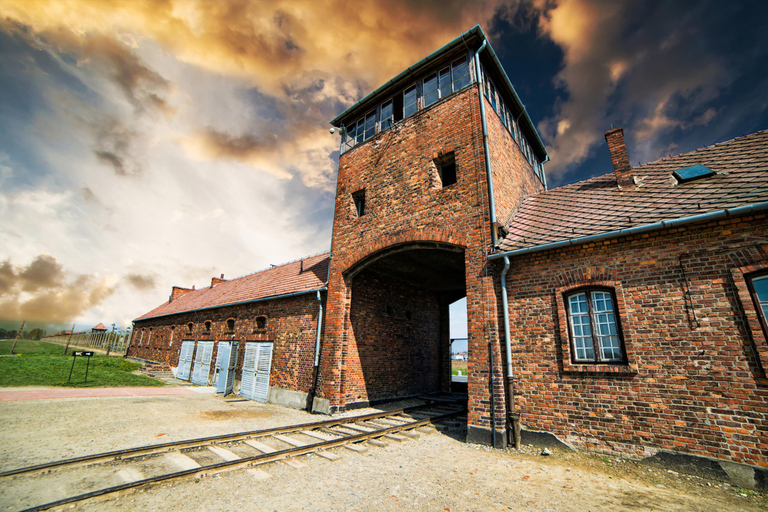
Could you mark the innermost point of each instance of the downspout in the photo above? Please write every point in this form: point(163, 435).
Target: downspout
point(513, 420)
point(316, 367)
point(486, 149)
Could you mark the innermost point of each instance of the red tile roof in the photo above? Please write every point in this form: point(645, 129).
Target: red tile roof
point(99, 327)
point(279, 280)
point(597, 205)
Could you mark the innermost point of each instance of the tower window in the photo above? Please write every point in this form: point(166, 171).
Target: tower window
point(387, 118)
point(190, 325)
point(446, 167)
point(207, 325)
point(261, 322)
point(359, 199)
point(231, 324)
point(410, 101)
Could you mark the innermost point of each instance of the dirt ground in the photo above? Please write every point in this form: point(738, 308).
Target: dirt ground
point(437, 472)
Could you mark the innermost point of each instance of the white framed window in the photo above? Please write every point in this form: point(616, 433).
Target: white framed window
point(758, 287)
point(594, 327)
point(430, 89)
point(387, 115)
point(410, 101)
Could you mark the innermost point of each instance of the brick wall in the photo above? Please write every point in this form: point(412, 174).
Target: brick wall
point(693, 382)
point(396, 346)
point(291, 325)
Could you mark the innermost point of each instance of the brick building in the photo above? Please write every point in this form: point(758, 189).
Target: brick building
point(625, 313)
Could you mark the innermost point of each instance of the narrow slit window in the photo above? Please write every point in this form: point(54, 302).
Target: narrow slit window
point(231, 324)
point(359, 199)
point(208, 325)
point(446, 167)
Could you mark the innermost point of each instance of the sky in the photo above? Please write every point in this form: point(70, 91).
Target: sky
point(147, 144)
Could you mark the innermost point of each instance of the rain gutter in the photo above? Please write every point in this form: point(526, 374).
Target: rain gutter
point(260, 299)
point(513, 420)
point(486, 149)
point(316, 367)
point(645, 228)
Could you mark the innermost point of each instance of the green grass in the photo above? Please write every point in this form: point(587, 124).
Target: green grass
point(459, 365)
point(43, 364)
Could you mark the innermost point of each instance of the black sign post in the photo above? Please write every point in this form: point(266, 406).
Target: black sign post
point(75, 355)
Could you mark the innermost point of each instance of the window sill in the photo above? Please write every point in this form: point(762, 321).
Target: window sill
point(623, 369)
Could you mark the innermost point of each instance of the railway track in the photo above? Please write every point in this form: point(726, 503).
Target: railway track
point(54, 484)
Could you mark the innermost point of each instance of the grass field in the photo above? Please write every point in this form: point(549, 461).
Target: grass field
point(43, 364)
point(459, 365)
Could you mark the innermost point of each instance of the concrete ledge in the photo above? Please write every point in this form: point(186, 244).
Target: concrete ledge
point(481, 435)
point(741, 475)
point(321, 406)
point(288, 398)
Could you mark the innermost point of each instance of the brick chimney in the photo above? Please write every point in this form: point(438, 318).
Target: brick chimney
point(178, 291)
point(217, 280)
point(619, 157)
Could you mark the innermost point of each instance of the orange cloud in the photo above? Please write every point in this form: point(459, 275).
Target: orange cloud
point(42, 292)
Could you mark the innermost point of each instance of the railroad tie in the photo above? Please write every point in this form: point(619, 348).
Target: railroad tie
point(259, 474)
point(376, 442)
point(396, 437)
point(263, 448)
point(294, 463)
point(355, 448)
point(319, 435)
point(327, 455)
point(129, 475)
point(223, 453)
point(291, 441)
point(181, 461)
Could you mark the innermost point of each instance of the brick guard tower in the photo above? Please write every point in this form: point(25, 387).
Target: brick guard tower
point(432, 165)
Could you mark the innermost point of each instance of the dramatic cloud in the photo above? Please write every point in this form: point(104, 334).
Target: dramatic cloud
point(653, 67)
point(43, 292)
point(169, 141)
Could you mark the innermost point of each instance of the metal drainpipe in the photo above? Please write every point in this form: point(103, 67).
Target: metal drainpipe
point(513, 419)
point(311, 396)
point(486, 149)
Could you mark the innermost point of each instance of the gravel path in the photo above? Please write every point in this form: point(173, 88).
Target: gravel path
point(436, 472)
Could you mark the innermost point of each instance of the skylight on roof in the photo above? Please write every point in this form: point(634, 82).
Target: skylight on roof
point(694, 172)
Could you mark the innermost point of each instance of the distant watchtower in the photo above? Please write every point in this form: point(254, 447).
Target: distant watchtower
point(433, 164)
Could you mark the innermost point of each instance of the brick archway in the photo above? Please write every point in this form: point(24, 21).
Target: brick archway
point(400, 240)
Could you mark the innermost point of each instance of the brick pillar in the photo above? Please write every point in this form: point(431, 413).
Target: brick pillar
point(330, 392)
point(484, 346)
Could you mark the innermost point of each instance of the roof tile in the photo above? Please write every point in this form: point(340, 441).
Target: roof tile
point(596, 205)
point(301, 275)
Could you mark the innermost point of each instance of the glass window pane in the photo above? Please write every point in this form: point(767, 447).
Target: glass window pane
point(386, 115)
point(349, 137)
point(445, 82)
point(430, 90)
point(360, 131)
point(410, 102)
point(460, 73)
point(370, 125)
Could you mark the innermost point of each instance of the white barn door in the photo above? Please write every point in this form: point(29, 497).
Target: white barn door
point(185, 360)
point(202, 363)
point(257, 364)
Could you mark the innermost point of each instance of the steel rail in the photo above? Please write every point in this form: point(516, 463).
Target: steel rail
point(202, 441)
point(255, 460)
